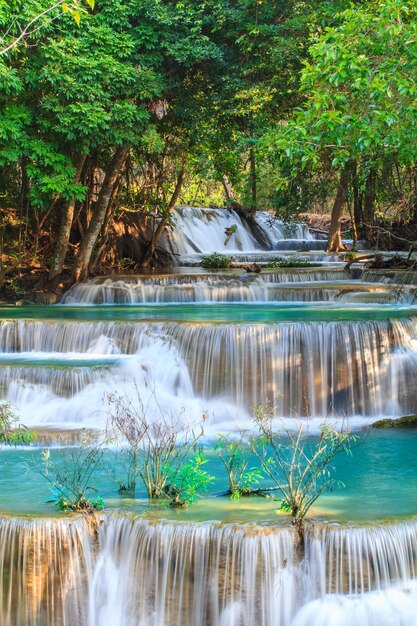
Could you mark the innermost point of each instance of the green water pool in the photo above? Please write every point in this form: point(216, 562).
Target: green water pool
point(207, 312)
point(380, 485)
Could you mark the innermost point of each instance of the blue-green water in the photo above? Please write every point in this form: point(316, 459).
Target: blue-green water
point(380, 484)
point(242, 312)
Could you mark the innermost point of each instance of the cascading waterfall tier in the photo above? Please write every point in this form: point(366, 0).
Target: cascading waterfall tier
point(203, 231)
point(396, 278)
point(113, 571)
point(308, 285)
point(315, 369)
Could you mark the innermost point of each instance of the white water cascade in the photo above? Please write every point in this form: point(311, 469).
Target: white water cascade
point(58, 372)
point(309, 285)
point(316, 284)
point(200, 232)
point(119, 573)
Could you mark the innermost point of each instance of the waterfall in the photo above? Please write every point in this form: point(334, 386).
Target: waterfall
point(399, 278)
point(202, 231)
point(315, 369)
point(265, 287)
point(113, 571)
point(307, 285)
point(44, 569)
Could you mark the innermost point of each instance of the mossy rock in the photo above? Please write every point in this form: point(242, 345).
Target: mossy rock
point(407, 421)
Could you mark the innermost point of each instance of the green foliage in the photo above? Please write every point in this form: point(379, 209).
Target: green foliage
point(12, 432)
point(359, 101)
point(300, 466)
point(158, 446)
point(33, 16)
point(213, 87)
point(188, 481)
point(235, 455)
point(70, 475)
point(282, 262)
point(216, 260)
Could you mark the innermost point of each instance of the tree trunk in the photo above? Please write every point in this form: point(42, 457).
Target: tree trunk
point(24, 206)
point(67, 217)
point(104, 239)
point(82, 261)
point(253, 183)
point(228, 191)
point(334, 243)
point(157, 233)
point(368, 205)
point(356, 213)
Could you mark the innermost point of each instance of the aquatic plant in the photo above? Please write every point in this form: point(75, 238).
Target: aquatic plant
point(235, 455)
point(281, 262)
point(188, 481)
point(216, 260)
point(158, 446)
point(12, 432)
point(70, 476)
point(299, 465)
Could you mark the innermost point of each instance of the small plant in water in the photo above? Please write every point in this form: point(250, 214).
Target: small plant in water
point(158, 445)
point(299, 464)
point(216, 261)
point(281, 262)
point(236, 456)
point(12, 432)
point(70, 477)
point(188, 481)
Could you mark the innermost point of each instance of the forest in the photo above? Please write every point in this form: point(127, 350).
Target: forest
point(114, 112)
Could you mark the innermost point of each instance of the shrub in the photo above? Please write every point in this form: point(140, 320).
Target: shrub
point(216, 261)
point(299, 465)
point(12, 432)
point(236, 456)
point(158, 447)
point(281, 262)
point(70, 477)
point(188, 481)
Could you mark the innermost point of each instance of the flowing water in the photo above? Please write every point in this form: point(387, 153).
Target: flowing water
point(316, 343)
point(310, 285)
point(58, 573)
point(203, 231)
point(57, 372)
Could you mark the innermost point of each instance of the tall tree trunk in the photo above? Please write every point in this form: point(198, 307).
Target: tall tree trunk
point(24, 206)
point(368, 204)
point(82, 261)
point(228, 191)
point(67, 217)
point(357, 209)
point(158, 231)
point(253, 183)
point(104, 237)
point(334, 243)
point(413, 185)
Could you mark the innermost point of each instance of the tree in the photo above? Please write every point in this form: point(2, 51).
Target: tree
point(36, 19)
point(359, 89)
